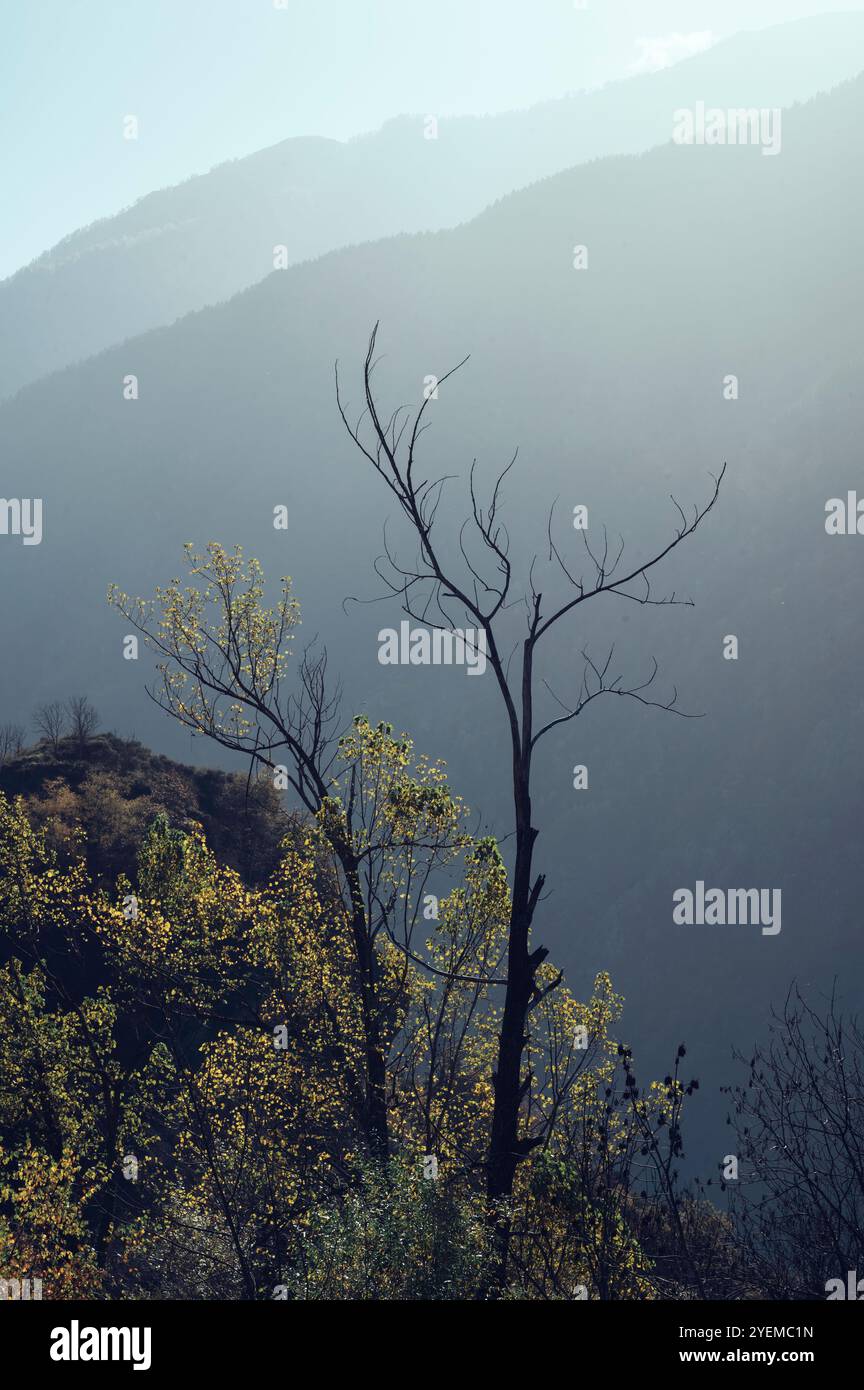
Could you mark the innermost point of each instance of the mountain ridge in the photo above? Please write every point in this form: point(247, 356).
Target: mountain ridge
point(199, 242)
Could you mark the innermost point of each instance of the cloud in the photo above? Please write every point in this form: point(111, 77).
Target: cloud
point(662, 53)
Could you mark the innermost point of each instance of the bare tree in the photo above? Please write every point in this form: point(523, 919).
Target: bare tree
point(50, 721)
point(11, 742)
point(83, 719)
point(479, 587)
point(798, 1200)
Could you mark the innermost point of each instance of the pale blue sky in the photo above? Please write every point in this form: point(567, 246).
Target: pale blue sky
point(213, 79)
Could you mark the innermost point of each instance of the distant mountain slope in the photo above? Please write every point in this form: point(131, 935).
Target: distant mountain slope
point(200, 242)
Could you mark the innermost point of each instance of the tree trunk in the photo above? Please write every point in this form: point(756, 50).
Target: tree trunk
point(506, 1149)
point(375, 1120)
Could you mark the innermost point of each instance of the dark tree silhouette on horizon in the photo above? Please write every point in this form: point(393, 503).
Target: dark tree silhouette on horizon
point(50, 721)
point(83, 718)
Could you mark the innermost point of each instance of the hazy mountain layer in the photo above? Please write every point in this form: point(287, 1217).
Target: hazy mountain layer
point(200, 242)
